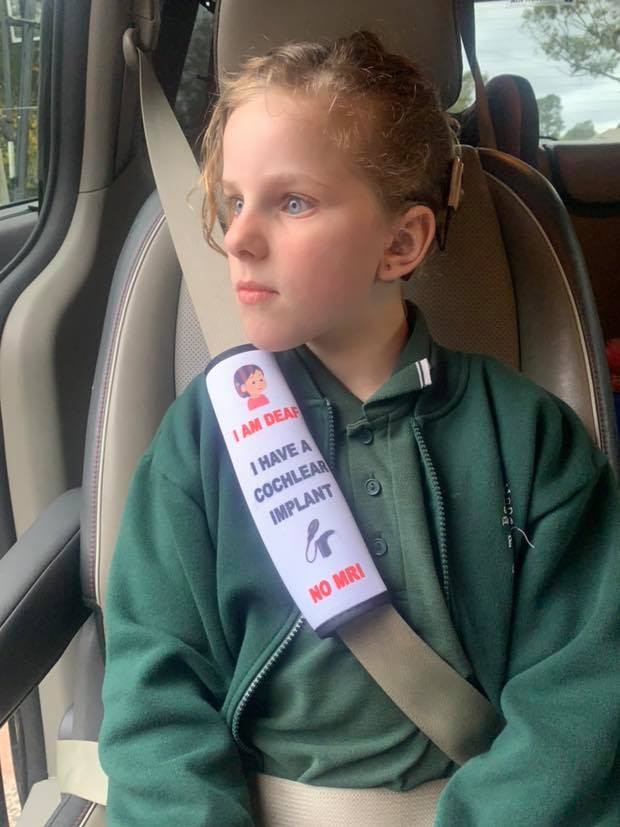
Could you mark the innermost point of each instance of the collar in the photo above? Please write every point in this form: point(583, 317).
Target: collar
point(413, 372)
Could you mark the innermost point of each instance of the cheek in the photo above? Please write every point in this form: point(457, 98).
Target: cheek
point(332, 252)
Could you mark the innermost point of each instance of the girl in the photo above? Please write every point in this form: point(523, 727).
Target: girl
point(495, 525)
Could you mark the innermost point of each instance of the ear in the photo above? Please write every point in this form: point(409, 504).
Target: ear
point(412, 236)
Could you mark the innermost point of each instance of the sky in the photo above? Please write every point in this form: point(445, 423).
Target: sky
point(504, 46)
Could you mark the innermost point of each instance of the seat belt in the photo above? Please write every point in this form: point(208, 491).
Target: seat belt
point(177, 177)
point(443, 705)
point(467, 25)
point(278, 802)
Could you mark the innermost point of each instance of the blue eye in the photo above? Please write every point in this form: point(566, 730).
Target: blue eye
point(295, 204)
point(236, 205)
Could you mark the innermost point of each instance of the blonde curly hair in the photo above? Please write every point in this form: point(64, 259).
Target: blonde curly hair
point(382, 111)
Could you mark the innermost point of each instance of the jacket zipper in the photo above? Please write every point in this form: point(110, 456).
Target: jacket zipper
point(331, 447)
point(443, 543)
point(275, 656)
point(260, 675)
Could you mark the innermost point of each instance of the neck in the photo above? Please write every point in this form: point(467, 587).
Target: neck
point(365, 361)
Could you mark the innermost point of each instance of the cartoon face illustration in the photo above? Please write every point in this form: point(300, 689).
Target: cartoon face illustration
point(250, 383)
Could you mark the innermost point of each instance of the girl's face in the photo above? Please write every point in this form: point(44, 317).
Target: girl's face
point(306, 233)
point(254, 384)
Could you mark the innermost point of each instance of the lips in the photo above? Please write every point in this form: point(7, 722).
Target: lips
point(251, 292)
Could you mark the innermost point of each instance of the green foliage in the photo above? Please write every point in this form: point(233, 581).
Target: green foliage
point(550, 116)
point(468, 92)
point(580, 132)
point(585, 35)
point(11, 115)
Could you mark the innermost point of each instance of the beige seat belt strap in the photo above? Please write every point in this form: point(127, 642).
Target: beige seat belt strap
point(444, 706)
point(177, 177)
point(79, 771)
point(278, 802)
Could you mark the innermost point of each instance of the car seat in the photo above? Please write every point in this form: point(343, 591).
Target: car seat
point(586, 175)
point(511, 283)
point(514, 113)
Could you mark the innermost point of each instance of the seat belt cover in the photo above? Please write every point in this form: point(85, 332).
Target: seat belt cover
point(295, 501)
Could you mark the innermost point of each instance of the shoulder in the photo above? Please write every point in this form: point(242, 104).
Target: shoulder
point(534, 428)
point(488, 400)
point(520, 399)
point(486, 381)
point(501, 426)
point(497, 380)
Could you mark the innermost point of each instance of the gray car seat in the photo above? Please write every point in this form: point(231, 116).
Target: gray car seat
point(511, 283)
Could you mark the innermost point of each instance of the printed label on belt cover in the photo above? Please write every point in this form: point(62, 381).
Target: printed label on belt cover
point(295, 501)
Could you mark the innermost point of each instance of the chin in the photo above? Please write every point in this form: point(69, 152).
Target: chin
point(272, 339)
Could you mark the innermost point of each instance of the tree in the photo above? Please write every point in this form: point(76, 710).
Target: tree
point(580, 132)
point(550, 116)
point(14, 114)
point(468, 92)
point(584, 34)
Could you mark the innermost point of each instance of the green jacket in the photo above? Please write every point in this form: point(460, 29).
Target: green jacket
point(196, 615)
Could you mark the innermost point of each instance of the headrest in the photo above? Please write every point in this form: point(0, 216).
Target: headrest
point(425, 31)
point(514, 112)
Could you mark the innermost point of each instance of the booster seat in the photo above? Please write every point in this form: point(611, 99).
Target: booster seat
point(511, 283)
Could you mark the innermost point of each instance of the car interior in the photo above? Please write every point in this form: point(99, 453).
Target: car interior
point(100, 335)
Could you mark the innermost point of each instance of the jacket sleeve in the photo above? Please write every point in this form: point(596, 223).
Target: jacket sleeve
point(164, 745)
point(557, 760)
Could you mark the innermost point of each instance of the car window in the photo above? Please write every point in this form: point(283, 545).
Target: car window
point(191, 101)
point(20, 28)
point(570, 53)
point(20, 23)
point(10, 805)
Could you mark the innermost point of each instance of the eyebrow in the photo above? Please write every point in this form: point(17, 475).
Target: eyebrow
point(284, 179)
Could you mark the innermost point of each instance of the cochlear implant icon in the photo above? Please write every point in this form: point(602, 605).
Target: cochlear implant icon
point(321, 543)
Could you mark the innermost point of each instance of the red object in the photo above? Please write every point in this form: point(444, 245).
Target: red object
point(257, 401)
point(612, 349)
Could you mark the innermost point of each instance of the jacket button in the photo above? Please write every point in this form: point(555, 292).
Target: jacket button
point(373, 486)
point(379, 547)
point(366, 436)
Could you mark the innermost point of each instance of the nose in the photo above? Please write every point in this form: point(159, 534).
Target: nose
point(245, 236)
